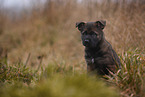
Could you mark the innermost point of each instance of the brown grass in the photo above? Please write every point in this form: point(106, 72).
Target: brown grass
point(49, 30)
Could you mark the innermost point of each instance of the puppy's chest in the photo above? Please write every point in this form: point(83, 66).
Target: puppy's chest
point(92, 54)
point(91, 57)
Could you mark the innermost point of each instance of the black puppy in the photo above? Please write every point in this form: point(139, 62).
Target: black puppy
point(99, 54)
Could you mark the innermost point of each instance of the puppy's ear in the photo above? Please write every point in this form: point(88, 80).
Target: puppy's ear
point(80, 25)
point(101, 24)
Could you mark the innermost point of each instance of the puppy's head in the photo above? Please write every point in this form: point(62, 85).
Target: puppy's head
point(91, 32)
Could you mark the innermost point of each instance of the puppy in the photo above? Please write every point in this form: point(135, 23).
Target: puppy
point(99, 54)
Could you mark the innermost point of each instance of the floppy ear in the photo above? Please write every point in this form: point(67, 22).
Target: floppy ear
point(101, 24)
point(80, 25)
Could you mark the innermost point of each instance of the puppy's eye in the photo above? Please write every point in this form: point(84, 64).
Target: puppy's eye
point(84, 33)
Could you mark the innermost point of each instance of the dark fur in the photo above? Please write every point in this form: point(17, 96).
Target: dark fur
point(99, 54)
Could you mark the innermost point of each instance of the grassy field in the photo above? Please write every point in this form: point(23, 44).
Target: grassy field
point(41, 53)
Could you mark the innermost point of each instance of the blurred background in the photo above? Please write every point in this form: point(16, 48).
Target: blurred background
point(46, 28)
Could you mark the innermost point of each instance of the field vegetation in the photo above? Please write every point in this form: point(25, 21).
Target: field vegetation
point(41, 52)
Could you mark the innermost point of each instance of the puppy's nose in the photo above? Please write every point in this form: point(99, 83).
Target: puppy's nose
point(86, 41)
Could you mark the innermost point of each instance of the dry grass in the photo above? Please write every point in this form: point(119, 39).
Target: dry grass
point(130, 78)
point(52, 29)
point(50, 32)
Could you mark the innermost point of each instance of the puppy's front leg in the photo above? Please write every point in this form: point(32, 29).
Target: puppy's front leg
point(90, 64)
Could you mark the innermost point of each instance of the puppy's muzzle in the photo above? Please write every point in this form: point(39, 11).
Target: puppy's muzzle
point(86, 42)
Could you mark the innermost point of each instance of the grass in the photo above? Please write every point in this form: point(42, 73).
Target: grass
point(53, 81)
point(41, 53)
point(130, 78)
point(63, 81)
point(17, 72)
